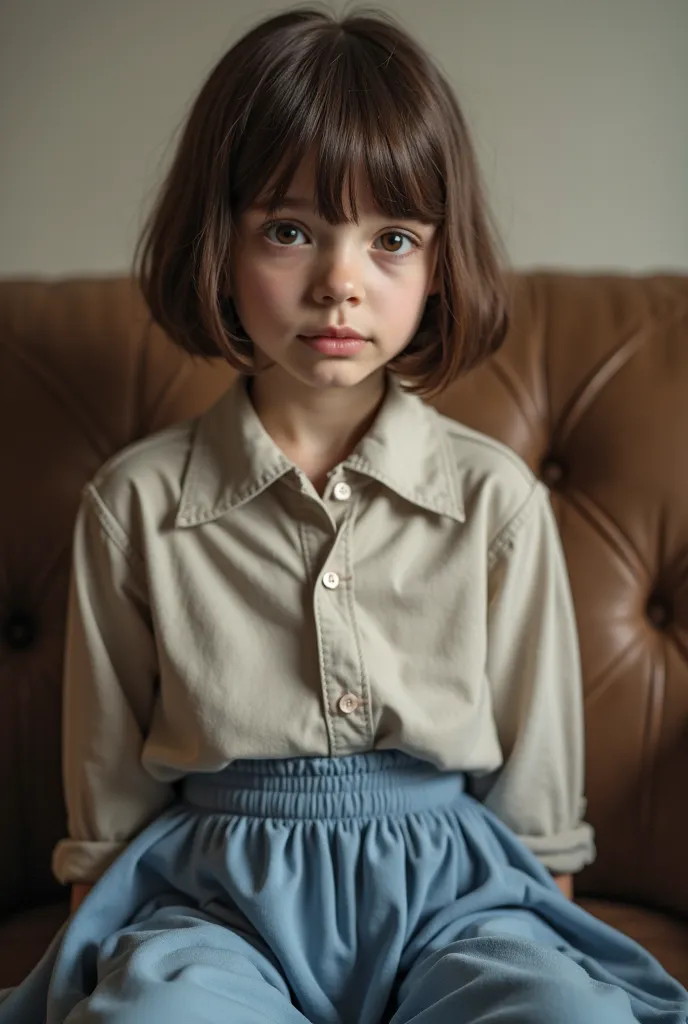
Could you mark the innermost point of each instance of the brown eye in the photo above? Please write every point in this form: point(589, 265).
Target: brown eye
point(394, 241)
point(283, 233)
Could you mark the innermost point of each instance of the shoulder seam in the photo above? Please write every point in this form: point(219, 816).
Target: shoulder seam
point(504, 539)
point(491, 442)
point(115, 530)
point(131, 449)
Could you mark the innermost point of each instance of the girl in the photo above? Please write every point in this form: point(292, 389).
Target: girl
point(323, 729)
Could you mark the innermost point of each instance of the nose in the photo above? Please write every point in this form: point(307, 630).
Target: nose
point(338, 278)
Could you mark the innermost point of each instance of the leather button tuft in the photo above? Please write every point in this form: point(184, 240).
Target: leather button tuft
point(552, 472)
point(659, 612)
point(19, 631)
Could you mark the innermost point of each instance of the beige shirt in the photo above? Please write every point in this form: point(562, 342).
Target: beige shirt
point(221, 609)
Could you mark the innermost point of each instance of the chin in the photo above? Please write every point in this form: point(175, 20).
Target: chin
point(347, 375)
point(322, 374)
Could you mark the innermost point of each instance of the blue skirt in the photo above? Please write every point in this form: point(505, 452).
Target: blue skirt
point(351, 890)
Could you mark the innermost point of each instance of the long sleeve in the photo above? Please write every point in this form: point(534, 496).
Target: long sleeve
point(533, 667)
point(109, 689)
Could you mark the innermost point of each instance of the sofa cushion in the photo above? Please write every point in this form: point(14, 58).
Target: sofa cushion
point(24, 937)
point(663, 936)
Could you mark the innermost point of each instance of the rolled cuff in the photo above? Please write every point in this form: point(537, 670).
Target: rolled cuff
point(77, 861)
point(564, 853)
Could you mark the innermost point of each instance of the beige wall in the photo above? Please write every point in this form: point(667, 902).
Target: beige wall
point(579, 110)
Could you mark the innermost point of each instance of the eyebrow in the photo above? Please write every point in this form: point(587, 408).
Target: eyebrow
point(304, 203)
point(290, 203)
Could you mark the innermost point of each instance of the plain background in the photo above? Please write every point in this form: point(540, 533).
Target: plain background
point(579, 111)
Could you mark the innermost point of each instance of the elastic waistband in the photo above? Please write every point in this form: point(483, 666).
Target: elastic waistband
point(368, 785)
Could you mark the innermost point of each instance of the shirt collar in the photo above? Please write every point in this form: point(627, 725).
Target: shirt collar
point(233, 458)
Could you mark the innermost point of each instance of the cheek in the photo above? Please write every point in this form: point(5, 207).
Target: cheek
point(405, 300)
point(263, 294)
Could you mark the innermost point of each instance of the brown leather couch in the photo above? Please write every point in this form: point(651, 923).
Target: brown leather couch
point(591, 389)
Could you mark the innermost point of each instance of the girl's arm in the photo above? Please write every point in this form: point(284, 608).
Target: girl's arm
point(534, 675)
point(110, 676)
point(565, 883)
point(79, 894)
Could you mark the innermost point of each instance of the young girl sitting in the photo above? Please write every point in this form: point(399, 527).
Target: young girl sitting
point(323, 721)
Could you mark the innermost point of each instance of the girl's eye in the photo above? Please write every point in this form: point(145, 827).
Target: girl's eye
point(283, 233)
point(397, 239)
point(288, 236)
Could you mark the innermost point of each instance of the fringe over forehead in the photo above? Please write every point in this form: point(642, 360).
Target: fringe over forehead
point(358, 98)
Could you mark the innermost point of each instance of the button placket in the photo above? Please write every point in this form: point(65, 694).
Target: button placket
point(340, 659)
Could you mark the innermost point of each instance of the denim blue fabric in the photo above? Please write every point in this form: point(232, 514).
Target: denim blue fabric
point(350, 890)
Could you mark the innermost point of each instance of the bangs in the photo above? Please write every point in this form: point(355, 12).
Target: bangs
point(362, 111)
point(363, 105)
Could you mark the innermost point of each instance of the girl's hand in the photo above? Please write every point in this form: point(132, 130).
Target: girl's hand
point(79, 893)
point(565, 883)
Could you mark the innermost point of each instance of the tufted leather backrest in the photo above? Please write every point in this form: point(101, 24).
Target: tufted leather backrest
point(591, 388)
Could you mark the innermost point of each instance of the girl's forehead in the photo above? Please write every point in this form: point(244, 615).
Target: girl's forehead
point(302, 193)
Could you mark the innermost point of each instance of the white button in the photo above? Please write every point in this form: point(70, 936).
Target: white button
point(342, 491)
point(331, 580)
point(348, 703)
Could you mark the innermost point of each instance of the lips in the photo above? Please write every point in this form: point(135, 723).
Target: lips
point(328, 346)
point(334, 332)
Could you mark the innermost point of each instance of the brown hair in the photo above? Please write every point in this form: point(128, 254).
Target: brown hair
point(363, 95)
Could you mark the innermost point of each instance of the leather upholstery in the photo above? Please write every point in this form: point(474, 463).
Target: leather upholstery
point(591, 389)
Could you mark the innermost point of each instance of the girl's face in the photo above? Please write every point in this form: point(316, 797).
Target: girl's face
point(294, 274)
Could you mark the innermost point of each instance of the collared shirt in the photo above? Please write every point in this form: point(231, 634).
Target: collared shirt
point(220, 608)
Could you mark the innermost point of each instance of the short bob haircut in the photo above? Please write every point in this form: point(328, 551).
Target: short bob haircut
point(363, 97)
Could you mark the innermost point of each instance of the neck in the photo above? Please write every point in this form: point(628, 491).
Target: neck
point(316, 428)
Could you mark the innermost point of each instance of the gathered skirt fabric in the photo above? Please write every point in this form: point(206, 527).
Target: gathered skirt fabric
point(351, 890)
